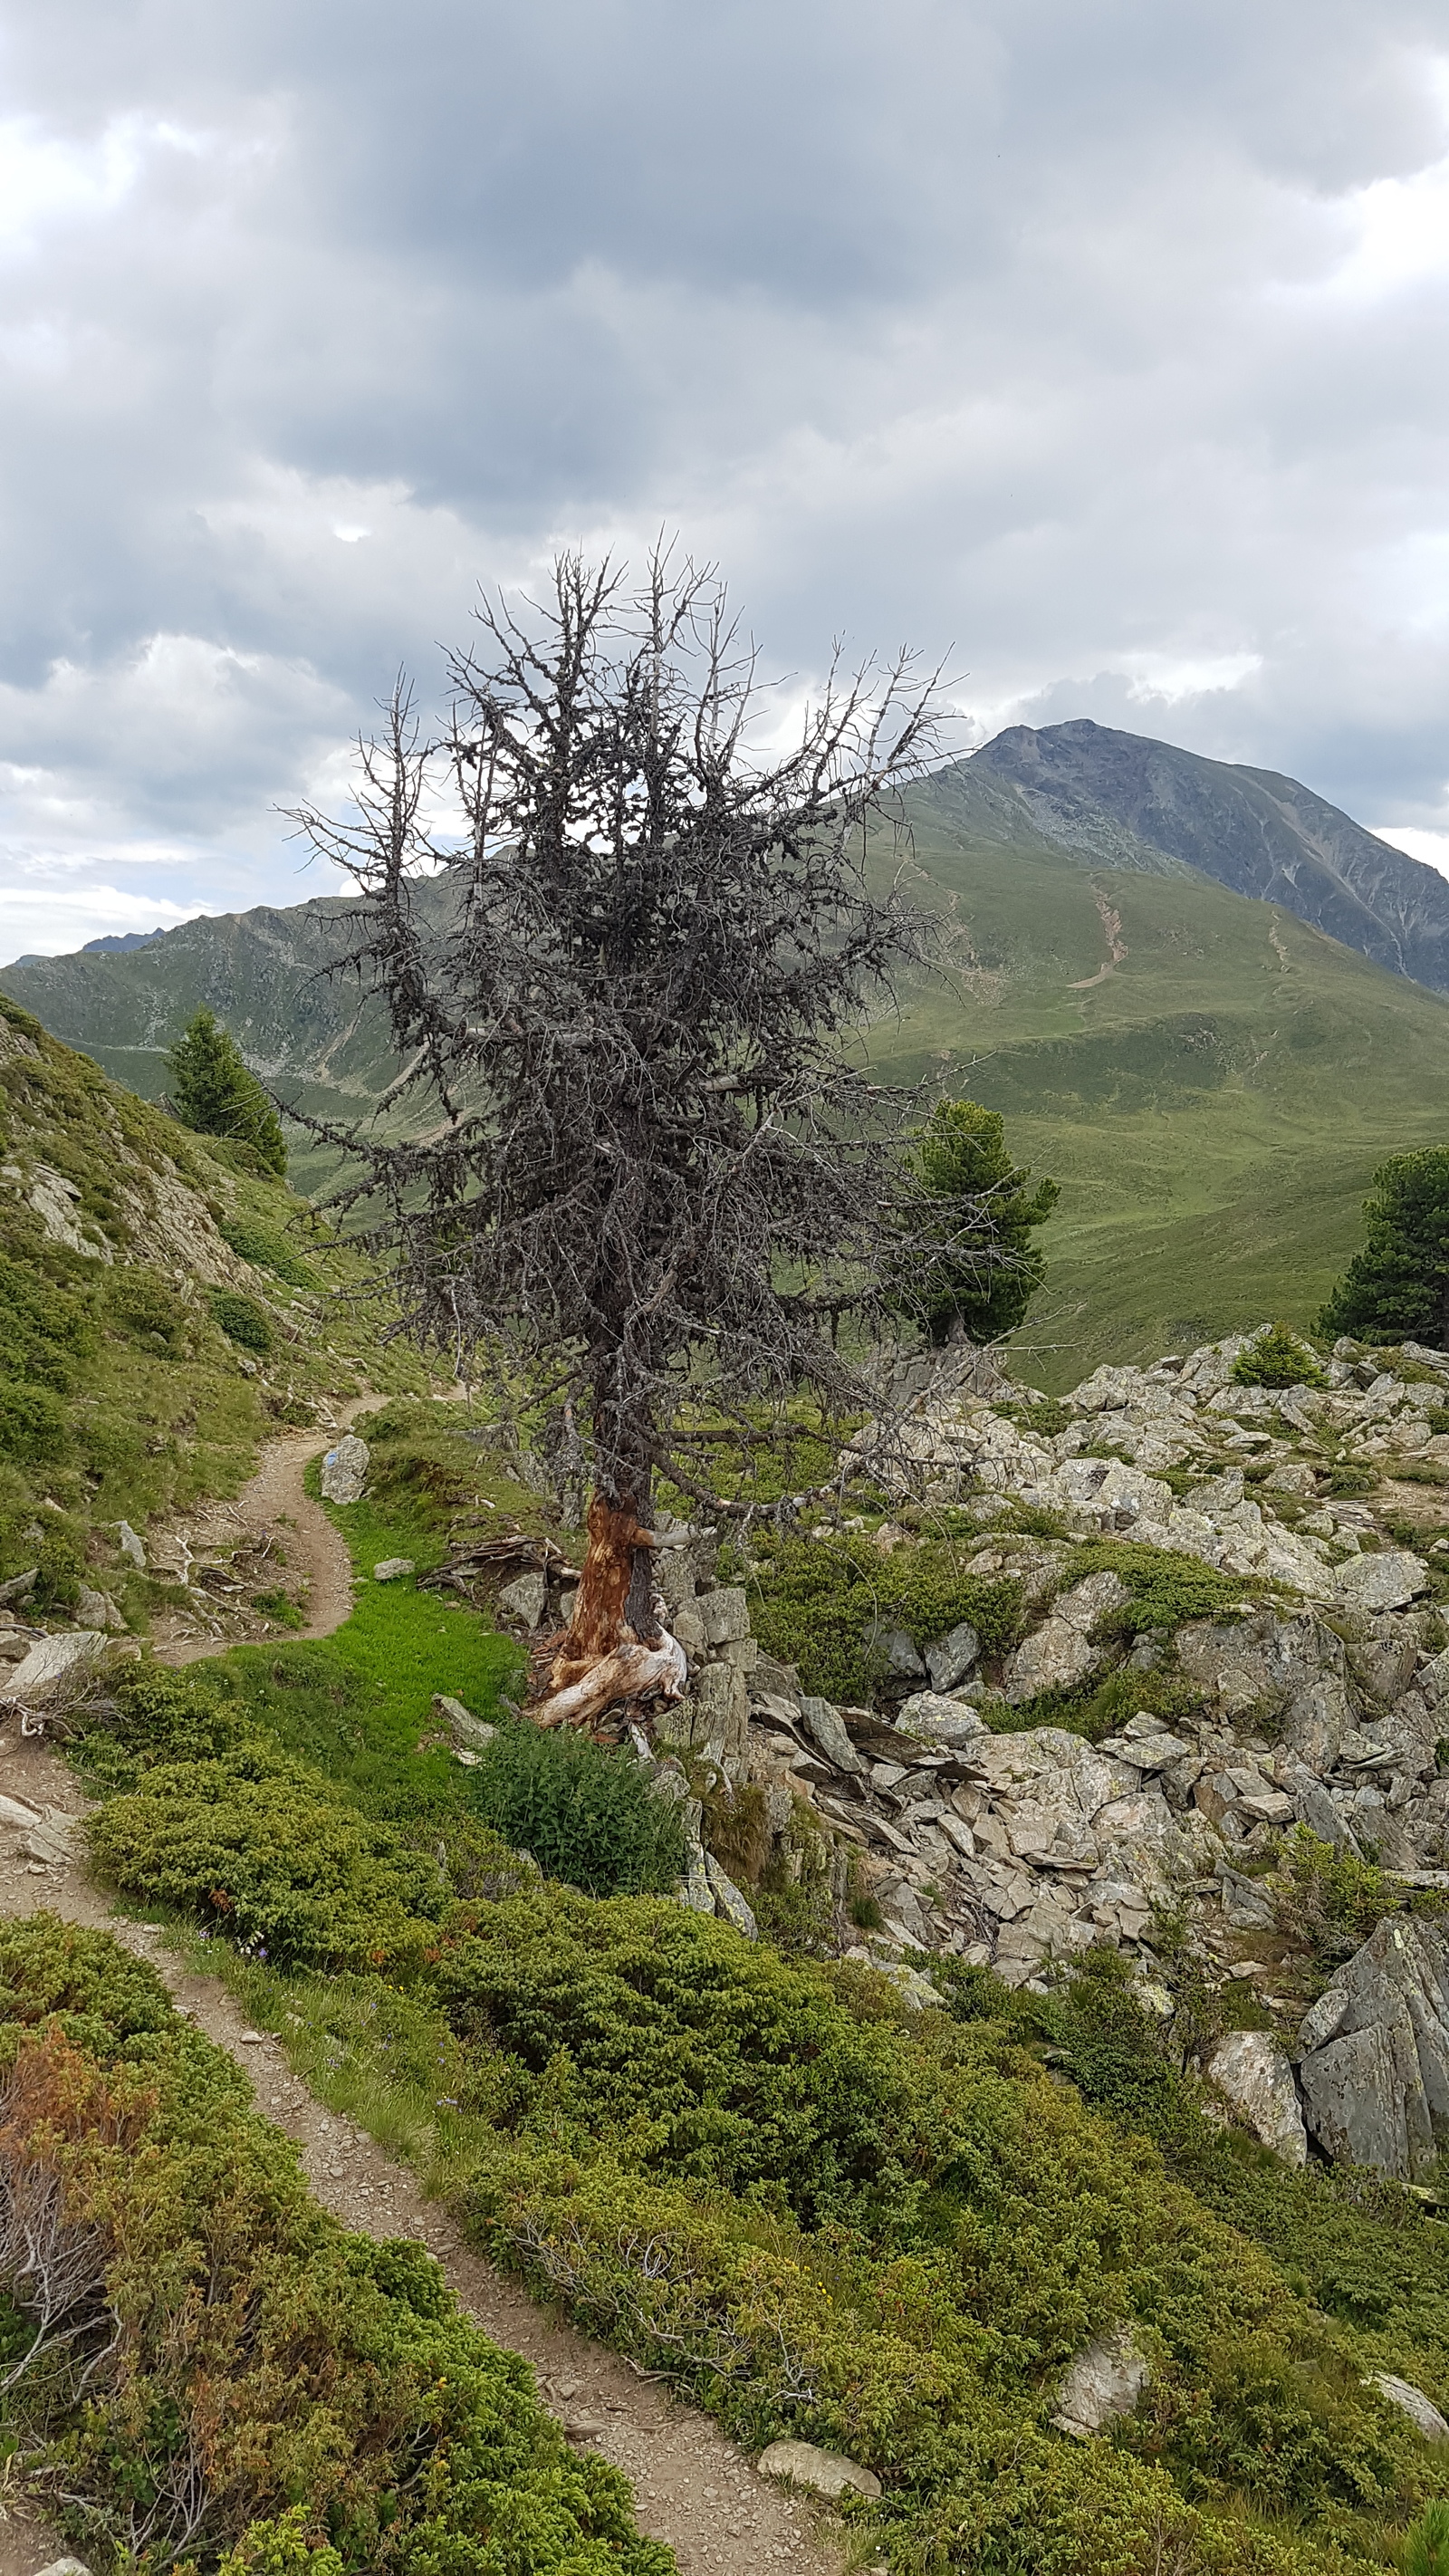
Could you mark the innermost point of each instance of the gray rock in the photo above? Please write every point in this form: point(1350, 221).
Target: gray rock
point(1389, 1580)
point(933, 1719)
point(732, 1905)
point(1089, 1601)
point(1104, 2381)
point(461, 1723)
point(826, 1729)
point(1052, 1658)
point(66, 2567)
point(825, 2473)
point(1315, 1808)
point(1375, 2052)
point(950, 1658)
point(1422, 2412)
point(1246, 1905)
point(725, 1614)
point(130, 1545)
point(344, 1470)
point(523, 1599)
point(1252, 2070)
point(97, 1609)
point(695, 1890)
point(900, 1656)
point(16, 1586)
point(56, 1662)
point(687, 1626)
point(391, 1568)
point(719, 1704)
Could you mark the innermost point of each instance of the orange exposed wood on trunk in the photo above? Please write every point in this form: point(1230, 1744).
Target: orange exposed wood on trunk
point(600, 1625)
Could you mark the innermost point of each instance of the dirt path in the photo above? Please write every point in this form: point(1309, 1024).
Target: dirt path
point(314, 1548)
point(694, 2489)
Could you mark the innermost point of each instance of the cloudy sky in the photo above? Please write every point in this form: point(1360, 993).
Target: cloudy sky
point(1096, 343)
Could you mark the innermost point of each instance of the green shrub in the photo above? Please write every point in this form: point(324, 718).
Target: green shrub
point(586, 1815)
point(267, 1249)
point(241, 1319)
point(45, 1329)
point(256, 1847)
point(228, 2348)
point(34, 1425)
point(828, 1604)
point(1167, 1587)
point(1277, 1357)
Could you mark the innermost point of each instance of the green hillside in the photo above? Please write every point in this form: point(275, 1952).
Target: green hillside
point(1213, 1098)
point(1213, 1104)
point(163, 1310)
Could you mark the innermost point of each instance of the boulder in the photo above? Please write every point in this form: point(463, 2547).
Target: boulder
point(950, 1658)
point(1056, 1655)
point(725, 1614)
point(392, 1568)
point(1422, 2412)
point(1375, 2052)
point(718, 1710)
point(344, 1470)
point(934, 1719)
point(461, 1724)
point(523, 1599)
point(1389, 1580)
point(1104, 2381)
point(1315, 1808)
point(825, 2473)
point(826, 1729)
point(16, 1586)
point(66, 2567)
point(902, 1661)
point(56, 1663)
point(97, 1609)
point(1252, 2071)
point(695, 1890)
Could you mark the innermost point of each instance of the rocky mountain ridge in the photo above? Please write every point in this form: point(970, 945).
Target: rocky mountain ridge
point(1122, 800)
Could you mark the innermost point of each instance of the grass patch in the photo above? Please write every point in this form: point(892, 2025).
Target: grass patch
point(828, 1606)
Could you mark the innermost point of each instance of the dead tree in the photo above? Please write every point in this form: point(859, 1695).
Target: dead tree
point(644, 1164)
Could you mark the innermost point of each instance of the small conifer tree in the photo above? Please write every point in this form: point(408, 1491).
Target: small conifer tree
point(1276, 1357)
point(982, 1277)
point(1426, 2542)
point(215, 1094)
point(1396, 1288)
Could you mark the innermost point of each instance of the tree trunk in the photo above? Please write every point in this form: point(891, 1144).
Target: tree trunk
point(617, 1647)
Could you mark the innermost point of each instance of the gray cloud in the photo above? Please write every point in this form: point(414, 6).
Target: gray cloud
point(1102, 344)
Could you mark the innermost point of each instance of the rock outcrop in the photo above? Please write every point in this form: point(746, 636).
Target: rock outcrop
point(1375, 2052)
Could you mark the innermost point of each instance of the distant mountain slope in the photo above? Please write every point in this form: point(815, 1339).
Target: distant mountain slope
point(1124, 801)
point(1212, 1080)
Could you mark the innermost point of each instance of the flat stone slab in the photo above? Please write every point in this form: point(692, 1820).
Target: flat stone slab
point(54, 1661)
point(826, 2473)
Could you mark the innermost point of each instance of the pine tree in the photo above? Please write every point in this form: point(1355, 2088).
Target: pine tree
point(215, 1095)
point(982, 1277)
point(1396, 1288)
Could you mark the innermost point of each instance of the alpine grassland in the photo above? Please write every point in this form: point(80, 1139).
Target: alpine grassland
point(1212, 1082)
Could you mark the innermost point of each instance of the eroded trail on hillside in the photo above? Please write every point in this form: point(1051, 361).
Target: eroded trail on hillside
point(275, 1495)
point(694, 2489)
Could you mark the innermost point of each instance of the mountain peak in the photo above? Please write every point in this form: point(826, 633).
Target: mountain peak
point(1127, 800)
